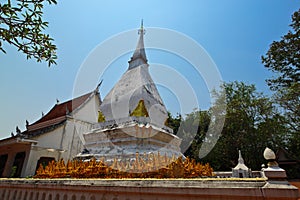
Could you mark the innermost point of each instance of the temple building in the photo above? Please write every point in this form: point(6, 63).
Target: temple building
point(131, 119)
point(57, 135)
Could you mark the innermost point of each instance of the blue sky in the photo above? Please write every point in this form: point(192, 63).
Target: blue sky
point(235, 33)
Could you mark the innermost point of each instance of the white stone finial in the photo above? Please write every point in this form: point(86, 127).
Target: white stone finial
point(270, 157)
point(269, 154)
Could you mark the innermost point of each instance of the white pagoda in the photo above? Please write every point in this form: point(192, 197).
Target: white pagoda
point(132, 116)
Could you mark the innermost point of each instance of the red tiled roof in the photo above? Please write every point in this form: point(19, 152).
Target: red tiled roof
point(58, 113)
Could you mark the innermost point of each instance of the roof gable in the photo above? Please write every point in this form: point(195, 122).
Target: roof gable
point(59, 113)
point(284, 157)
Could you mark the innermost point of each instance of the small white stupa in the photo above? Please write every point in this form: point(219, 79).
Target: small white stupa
point(241, 170)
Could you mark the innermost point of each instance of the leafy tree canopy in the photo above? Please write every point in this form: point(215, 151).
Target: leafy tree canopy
point(252, 123)
point(283, 58)
point(22, 26)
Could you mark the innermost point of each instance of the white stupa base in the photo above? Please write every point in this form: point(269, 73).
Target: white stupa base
point(113, 140)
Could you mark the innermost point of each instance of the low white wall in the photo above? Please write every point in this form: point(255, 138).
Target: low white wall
point(146, 189)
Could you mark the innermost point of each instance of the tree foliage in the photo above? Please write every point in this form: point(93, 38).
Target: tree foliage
point(174, 122)
point(22, 26)
point(283, 58)
point(251, 123)
point(194, 129)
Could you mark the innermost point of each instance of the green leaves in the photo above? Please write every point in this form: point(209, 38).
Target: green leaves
point(22, 26)
point(251, 124)
point(283, 58)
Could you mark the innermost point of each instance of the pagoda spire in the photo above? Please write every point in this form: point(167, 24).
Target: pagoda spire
point(240, 160)
point(139, 55)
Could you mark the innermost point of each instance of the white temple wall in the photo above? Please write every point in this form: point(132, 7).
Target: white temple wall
point(88, 112)
point(48, 145)
point(73, 140)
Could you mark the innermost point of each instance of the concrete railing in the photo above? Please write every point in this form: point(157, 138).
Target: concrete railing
point(220, 174)
point(129, 189)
